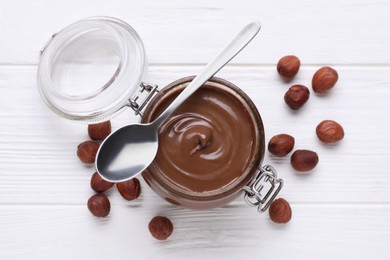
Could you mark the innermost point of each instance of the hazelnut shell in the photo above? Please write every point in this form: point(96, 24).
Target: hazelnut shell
point(324, 79)
point(280, 145)
point(288, 66)
point(98, 184)
point(160, 227)
point(99, 131)
point(86, 151)
point(296, 96)
point(304, 160)
point(130, 190)
point(329, 131)
point(99, 205)
point(280, 211)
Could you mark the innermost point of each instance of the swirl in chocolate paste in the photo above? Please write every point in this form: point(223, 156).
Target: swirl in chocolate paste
point(207, 143)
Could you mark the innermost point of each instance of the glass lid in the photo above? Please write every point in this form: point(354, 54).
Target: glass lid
point(89, 70)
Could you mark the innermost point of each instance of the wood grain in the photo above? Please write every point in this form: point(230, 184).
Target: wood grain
point(234, 232)
point(341, 210)
point(332, 32)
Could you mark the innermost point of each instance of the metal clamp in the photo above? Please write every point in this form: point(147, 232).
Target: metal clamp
point(266, 178)
point(146, 91)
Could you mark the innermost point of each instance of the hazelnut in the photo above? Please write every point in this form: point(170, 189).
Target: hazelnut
point(99, 131)
point(304, 160)
point(288, 66)
point(280, 145)
point(324, 79)
point(160, 227)
point(296, 96)
point(130, 189)
point(98, 184)
point(86, 151)
point(99, 205)
point(329, 131)
point(280, 211)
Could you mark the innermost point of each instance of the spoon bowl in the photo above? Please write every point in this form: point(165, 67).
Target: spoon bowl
point(136, 147)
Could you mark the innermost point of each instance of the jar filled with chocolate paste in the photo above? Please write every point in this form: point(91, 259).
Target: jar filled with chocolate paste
point(210, 150)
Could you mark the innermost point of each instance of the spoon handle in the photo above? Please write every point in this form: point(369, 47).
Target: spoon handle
point(231, 49)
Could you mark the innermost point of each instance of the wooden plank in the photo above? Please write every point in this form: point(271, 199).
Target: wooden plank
point(315, 232)
point(340, 210)
point(38, 149)
point(333, 32)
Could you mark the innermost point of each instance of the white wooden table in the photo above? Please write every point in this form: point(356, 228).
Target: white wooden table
point(341, 210)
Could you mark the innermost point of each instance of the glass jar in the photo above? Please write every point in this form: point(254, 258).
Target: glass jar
point(198, 182)
point(93, 69)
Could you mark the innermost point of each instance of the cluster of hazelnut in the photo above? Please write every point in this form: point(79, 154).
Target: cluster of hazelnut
point(99, 205)
point(328, 131)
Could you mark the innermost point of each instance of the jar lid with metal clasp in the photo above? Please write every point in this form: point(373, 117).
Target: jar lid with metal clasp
point(91, 69)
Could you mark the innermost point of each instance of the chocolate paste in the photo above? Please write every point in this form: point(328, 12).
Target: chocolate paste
point(207, 144)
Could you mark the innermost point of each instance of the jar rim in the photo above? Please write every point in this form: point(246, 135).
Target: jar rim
point(259, 147)
point(104, 101)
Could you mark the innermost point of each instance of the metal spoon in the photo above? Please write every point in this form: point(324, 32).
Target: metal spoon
point(131, 149)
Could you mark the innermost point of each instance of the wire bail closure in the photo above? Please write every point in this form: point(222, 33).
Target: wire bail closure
point(266, 177)
point(147, 91)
